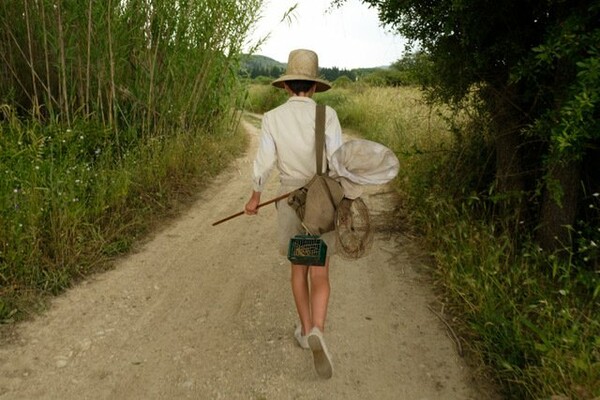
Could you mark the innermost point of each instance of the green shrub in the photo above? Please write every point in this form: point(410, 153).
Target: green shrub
point(343, 82)
point(262, 80)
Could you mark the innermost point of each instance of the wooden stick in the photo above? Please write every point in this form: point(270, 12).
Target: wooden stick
point(283, 196)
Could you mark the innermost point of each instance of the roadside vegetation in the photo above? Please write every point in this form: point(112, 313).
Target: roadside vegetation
point(530, 315)
point(111, 113)
point(510, 208)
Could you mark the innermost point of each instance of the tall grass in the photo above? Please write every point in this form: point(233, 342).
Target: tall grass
point(526, 315)
point(262, 97)
point(110, 112)
point(521, 311)
point(400, 119)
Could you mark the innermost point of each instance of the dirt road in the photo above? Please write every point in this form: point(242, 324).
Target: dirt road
point(202, 312)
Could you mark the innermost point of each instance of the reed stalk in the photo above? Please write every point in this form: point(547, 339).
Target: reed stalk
point(49, 97)
point(65, 107)
point(35, 104)
point(88, 64)
point(150, 103)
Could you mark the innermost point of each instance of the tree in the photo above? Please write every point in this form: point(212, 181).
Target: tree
point(415, 68)
point(535, 65)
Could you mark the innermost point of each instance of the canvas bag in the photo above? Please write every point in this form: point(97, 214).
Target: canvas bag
point(316, 202)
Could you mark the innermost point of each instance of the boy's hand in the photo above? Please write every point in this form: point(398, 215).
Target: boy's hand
point(252, 204)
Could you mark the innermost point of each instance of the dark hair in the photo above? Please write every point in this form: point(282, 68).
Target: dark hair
point(299, 86)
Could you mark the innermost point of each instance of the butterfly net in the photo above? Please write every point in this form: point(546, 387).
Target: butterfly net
point(353, 226)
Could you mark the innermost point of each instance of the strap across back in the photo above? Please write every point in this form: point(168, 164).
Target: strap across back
point(320, 137)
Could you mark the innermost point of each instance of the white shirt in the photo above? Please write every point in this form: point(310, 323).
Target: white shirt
point(288, 141)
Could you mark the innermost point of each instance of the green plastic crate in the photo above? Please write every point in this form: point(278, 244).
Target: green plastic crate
point(307, 250)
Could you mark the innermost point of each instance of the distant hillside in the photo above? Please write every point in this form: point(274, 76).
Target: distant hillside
point(263, 61)
point(257, 65)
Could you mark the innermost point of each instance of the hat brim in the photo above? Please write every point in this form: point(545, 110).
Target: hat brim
point(322, 85)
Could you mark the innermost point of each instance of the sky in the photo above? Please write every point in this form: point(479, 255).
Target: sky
point(347, 37)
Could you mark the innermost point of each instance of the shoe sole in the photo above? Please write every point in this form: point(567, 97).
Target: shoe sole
point(320, 357)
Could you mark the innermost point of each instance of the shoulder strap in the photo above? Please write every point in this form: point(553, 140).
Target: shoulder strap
point(320, 136)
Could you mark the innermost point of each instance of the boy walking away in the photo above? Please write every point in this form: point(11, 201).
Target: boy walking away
point(288, 142)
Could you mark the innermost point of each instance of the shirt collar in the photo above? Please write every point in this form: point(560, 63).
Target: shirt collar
point(301, 99)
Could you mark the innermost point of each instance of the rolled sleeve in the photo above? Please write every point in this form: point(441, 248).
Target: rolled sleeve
point(333, 133)
point(265, 159)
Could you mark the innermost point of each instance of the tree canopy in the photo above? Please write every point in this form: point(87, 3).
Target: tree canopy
point(535, 67)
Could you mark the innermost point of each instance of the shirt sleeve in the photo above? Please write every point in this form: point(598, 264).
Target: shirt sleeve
point(266, 157)
point(333, 133)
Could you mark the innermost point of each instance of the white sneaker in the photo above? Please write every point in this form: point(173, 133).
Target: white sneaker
point(302, 340)
point(321, 356)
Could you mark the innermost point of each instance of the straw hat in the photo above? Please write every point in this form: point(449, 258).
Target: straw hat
point(303, 65)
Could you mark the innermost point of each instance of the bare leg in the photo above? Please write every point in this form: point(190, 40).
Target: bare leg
point(301, 296)
point(319, 294)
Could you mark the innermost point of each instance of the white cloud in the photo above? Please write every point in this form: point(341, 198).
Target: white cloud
point(346, 37)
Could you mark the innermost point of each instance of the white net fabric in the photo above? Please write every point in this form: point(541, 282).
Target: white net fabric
point(364, 162)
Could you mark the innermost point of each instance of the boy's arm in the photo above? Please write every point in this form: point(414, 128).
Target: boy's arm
point(333, 133)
